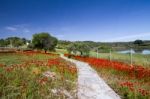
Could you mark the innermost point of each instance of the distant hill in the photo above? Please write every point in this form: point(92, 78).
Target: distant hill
point(62, 44)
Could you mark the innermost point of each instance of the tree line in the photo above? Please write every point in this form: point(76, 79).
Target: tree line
point(13, 41)
point(45, 41)
point(103, 47)
point(40, 41)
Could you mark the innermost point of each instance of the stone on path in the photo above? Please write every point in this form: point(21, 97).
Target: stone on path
point(90, 85)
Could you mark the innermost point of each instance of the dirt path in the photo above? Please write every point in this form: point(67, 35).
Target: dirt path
point(90, 85)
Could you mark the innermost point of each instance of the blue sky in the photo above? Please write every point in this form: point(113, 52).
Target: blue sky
point(97, 20)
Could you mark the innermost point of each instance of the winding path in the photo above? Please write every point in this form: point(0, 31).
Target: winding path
point(90, 85)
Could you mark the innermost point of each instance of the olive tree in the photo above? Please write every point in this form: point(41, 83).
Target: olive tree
point(44, 41)
point(76, 47)
point(14, 41)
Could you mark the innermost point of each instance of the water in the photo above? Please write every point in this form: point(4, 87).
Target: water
point(145, 51)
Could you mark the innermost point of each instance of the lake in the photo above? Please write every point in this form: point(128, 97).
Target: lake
point(145, 51)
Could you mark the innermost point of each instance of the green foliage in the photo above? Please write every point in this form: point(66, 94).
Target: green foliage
point(72, 48)
point(104, 48)
point(138, 42)
point(13, 41)
point(24, 40)
point(76, 47)
point(2, 42)
point(16, 42)
point(63, 44)
point(113, 45)
point(44, 41)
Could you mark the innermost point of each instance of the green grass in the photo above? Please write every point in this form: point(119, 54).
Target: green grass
point(22, 77)
point(16, 58)
point(138, 59)
point(63, 51)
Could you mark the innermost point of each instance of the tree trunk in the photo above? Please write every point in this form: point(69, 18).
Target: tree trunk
point(81, 53)
point(45, 51)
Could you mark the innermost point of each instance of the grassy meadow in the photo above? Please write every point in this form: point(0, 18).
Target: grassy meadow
point(31, 75)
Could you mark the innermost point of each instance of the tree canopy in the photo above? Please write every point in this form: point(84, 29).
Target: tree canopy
point(13, 41)
point(76, 47)
point(138, 42)
point(44, 41)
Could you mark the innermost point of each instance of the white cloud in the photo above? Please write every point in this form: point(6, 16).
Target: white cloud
point(11, 28)
point(26, 30)
point(18, 28)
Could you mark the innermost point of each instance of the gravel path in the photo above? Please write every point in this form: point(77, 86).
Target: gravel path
point(90, 85)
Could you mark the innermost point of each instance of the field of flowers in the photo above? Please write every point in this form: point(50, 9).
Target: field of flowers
point(130, 82)
point(138, 59)
point(36, 75)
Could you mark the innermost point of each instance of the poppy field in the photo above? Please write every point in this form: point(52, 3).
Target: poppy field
point(138, 59)
point(130, 82)
point(36, 75)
